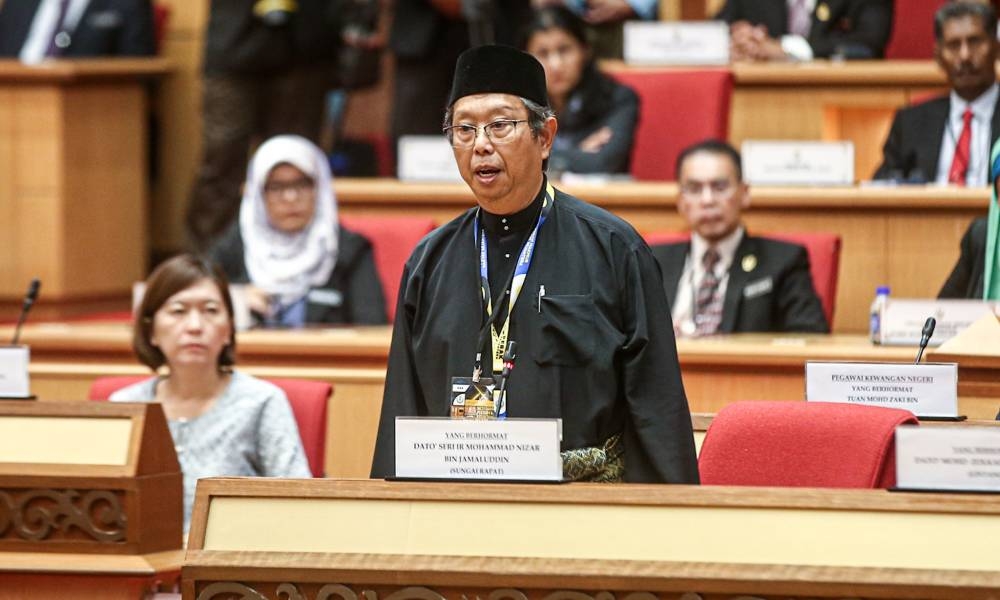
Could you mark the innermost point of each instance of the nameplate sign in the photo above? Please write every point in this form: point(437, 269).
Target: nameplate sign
point(427, 158)
point(676, 43)
point(948, 458)
point(511, 449)
point(926, 390)
point(798, 163)
point(903, 319)
point(14, 381)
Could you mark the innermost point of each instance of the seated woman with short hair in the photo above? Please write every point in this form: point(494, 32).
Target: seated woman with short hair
point(597, 115)
point(302, 266)
point(222, 422)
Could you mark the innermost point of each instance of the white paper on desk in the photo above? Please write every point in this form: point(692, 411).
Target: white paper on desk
point(676, 43)
point(14, 382)
point(926, 390)
point(426, 158)
point(903, 319)
point(782, 162)
point(948, 458)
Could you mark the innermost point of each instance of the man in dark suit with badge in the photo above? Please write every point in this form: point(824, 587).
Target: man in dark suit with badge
point(807, 29)
point(725, 280)
point(948, 139)
point(33, 30)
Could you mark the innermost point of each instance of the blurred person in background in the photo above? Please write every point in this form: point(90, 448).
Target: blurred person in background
point(597, 116)
point(35, 30)
point(301, 265)
point(267, 69)
point(806, 29)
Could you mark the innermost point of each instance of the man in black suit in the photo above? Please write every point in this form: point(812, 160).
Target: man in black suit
point(426, 37)
point(966, 279)
point(807, 29)
point(930, 142)
point(723, 280)
point(33, 30)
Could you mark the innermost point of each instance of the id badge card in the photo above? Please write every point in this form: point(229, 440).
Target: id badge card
point(471, 400)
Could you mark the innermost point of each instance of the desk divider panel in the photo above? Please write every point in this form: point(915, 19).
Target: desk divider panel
point(88, 478)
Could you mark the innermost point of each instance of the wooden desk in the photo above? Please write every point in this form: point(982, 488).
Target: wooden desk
point(904, 237)
point(377, 540)
point(65, 359)
point(73, 180)
point(90, 501)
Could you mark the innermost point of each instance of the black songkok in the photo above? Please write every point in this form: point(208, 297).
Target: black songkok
point(499, 70)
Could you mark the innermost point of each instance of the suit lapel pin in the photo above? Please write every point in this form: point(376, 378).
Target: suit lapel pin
point(749, 263)
point(823, 12)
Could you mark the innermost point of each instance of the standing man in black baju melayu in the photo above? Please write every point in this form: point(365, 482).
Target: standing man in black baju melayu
point(595, 341)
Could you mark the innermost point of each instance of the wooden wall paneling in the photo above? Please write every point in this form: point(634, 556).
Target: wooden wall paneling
point(178, 99)
point(866, 127)
point(34, 233)
point(105, 192)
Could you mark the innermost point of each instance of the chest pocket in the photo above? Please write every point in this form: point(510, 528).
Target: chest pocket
point(566, 333)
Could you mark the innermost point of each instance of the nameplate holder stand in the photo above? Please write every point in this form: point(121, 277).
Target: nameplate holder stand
point(928, 390)
point(948, 459)
point(902, 319)
point(14, 380)
point(507, 450)
point(426, 158)
point(676, 43)
point(783, 162)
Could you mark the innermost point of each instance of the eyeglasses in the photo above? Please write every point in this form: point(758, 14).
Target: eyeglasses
point(720, 188)
point(500, 131)
point(277, 189)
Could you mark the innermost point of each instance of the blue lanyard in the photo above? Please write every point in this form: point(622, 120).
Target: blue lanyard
point(516, 284)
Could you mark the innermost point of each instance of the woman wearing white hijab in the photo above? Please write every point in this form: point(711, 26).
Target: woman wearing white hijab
point(302, 266)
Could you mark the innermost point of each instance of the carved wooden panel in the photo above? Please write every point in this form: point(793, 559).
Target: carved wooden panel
point(36, 515)
point(303, 591)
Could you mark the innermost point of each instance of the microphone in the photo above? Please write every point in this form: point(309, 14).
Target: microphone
point(29, 301)
point(508, 365)
point(925, 336)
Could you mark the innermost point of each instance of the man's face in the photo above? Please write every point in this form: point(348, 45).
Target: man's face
point(711, 197)
point(967, 53)
point(503, 173)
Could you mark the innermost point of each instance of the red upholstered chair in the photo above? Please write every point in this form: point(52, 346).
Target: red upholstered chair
point(824, 258)
point(308, 400)
point(393, 239)
point(802, 444)
point(677, 109)
point(912, 30)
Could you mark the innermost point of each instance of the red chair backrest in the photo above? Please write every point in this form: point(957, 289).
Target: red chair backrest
point(676, 109)
point(912, 30)
point(802, 444)
point(161, 17)
point(824, 259)
point(392, 239)
point(308, 400)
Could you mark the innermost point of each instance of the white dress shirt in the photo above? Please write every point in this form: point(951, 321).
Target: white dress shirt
point(796, 46)
point(979, 145)
point(43, 27)
point(694, 273)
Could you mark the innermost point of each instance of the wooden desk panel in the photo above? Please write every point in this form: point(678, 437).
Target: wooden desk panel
point(904, 237)
point(73, 162)
point(367, 539)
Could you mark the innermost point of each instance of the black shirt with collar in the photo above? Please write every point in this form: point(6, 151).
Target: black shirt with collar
point(505, 236)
